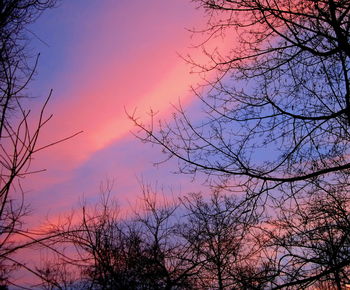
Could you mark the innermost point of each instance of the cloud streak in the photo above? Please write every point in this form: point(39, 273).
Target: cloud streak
point(116, 55)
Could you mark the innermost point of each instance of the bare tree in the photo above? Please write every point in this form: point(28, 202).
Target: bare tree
point(15, 61)
point(279, 111)
point(141, 251)
point(225, 253)
point(159, 220)
point(310, 240)
point(199, 243)
point(56, 273)
point(276, 127)
point(19, 128)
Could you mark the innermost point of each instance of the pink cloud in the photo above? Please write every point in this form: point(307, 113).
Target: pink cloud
point(124, 56)
point(116, 65)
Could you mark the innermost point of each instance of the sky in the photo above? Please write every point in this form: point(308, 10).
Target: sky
point(103, 59)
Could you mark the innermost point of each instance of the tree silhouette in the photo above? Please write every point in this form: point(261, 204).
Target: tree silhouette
point(219, 234)
point(275, 128)
point(279, 110)
point(19, 130)
point(137, 252)
point(311, 241)
point(199, 243)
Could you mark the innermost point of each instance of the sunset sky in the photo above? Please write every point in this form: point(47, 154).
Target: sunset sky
point(102, 58)
point(199, 144)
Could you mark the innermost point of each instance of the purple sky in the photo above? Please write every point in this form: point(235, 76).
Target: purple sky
point(101, 57)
